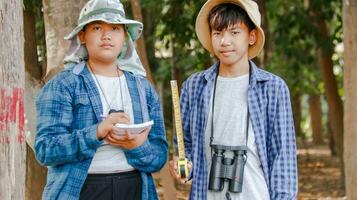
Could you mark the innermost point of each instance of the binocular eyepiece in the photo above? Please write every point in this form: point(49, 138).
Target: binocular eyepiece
point(231, 169)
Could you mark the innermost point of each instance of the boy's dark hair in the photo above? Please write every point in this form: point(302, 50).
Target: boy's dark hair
point(224, 15)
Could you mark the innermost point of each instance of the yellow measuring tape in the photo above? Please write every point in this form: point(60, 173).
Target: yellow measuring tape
point(182, 160)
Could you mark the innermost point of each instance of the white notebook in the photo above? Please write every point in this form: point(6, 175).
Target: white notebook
point(133, 128)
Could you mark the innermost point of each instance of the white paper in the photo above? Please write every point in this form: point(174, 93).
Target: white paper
point(133, 128)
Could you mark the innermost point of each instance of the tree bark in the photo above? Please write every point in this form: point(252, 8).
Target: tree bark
point(324, 57)
point(315, 114)
point(35, 174)
point(335, 106)
point(264, 59)
point(60, 18)
point(350, 85)
point(296, 106)
point(31, 57)
point(136, 9)
point(333, 99)
point(12, 145)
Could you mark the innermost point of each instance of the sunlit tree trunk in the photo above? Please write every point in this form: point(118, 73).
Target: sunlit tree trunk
point(350, 85)
point(12, 144)
point(60, 18)
point(315, 114)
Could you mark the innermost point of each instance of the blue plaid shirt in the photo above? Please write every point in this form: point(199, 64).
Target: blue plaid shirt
point(271, 116)
point(69, 110)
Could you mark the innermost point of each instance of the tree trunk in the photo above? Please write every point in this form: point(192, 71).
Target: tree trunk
point(12, 145)
point(315, 114)
point(332, 142)
point(264, 59)
point(350, 85)
point(60, 18)
point(31, 57)
point(335, 106)
point(296, 105)
point(334, 101)
point(35, 174)
point(136, 8)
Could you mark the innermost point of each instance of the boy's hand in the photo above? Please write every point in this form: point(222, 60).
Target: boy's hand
point(174, 170)
point(128, 140)
point(108, 124)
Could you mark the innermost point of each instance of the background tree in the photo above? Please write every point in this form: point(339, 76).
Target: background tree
point(34, 71)
point(350, 83)
point(12, 145)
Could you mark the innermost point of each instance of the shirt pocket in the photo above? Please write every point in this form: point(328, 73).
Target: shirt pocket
point(80, 100)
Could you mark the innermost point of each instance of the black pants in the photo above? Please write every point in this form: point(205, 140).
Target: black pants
point(119, 186)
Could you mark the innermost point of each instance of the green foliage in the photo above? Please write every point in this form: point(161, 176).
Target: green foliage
point(177, 33)
point(296, 35)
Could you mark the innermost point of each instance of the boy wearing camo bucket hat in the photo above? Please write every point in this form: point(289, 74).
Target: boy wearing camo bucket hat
point(102, 84)
point(237, 120)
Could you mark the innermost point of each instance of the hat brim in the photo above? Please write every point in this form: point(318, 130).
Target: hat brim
point(203, 30)
point(134, 27)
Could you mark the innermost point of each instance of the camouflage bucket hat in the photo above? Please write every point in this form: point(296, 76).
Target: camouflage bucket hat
point(108, 11)
point(111, 12)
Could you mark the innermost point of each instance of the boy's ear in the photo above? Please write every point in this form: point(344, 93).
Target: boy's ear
point(252, 37)
point(81, 36)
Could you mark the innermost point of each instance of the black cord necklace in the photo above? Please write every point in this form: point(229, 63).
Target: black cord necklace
point(111, 110)
point(213, 106)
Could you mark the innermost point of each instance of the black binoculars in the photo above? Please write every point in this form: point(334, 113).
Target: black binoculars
point(231, 169)
point(115, 111)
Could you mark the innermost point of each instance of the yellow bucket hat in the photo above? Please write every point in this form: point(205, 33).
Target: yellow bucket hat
point(203, 30)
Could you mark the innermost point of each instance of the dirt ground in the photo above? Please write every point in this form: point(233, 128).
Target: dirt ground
point(319, 176)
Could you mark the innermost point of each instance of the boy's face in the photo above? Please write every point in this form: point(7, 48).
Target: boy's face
point(231, 45)
point(103, 41)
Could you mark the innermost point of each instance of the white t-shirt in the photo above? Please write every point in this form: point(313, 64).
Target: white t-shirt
point(108, 158)
point(230, 121)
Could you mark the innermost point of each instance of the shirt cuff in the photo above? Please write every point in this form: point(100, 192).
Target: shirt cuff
point(91, 137)
point(140, 151)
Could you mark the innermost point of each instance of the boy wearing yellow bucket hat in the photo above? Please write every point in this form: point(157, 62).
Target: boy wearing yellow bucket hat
point(237, 118)
point(103, 84)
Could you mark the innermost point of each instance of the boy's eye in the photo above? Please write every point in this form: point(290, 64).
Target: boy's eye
point(216, 33)
point(96, 28)
point(235, 32)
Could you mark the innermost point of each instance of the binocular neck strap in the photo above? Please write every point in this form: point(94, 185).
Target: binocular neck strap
point(213, 102)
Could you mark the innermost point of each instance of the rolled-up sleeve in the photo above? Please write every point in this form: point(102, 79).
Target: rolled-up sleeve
point(283, 177)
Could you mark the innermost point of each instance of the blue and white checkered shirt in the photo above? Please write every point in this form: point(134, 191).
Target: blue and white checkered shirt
point(68, 112)
point(273, 125)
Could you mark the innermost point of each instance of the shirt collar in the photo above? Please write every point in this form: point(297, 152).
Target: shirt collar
point(257, 75)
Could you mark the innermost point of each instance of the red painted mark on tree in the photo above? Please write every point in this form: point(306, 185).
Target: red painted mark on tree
point(12, 111)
